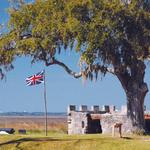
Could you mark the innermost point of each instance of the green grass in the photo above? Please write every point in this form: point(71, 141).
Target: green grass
point(57, 141)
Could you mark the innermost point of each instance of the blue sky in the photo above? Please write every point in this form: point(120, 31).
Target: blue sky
point(62, 89)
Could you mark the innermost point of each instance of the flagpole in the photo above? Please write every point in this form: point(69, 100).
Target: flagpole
point(45, 102)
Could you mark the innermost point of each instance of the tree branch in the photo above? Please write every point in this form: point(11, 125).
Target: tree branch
point(67, 69)
point(1, 74)
point(75, 74)
point(104, 69)
point(111, 70)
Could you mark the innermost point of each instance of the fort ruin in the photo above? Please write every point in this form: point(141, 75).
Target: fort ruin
point(99, 120)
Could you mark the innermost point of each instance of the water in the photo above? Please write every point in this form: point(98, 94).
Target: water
point(51, 114)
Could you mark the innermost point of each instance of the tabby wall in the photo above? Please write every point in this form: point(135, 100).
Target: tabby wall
point(108, 120)
point(78, 120)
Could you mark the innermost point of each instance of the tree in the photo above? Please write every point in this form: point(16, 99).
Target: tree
point(110, 36)
point(6, 55)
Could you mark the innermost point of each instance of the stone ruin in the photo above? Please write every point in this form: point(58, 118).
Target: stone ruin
point(98, 120)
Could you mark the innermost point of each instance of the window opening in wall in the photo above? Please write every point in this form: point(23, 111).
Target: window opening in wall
point(82, 124)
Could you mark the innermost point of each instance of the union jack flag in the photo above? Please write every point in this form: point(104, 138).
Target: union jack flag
point(35, 79)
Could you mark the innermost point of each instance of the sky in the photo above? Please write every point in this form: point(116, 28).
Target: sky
point(62, 89)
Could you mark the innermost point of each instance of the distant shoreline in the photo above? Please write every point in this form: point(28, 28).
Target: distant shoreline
point(33, 114)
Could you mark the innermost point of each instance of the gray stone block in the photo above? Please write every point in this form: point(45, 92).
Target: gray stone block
point(71, 108)
point(106, 108)
point(124, 109)
point(83, 108)
point(95, 108)
point(112, 108)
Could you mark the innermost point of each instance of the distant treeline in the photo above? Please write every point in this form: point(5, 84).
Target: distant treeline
point(32, 114)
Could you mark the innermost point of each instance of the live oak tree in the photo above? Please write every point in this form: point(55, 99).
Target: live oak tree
point(110, 36)
point(6, 54)
point(7, 43)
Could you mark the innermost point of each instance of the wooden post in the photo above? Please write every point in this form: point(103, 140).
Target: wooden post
point(119, 126)
point(45, 104)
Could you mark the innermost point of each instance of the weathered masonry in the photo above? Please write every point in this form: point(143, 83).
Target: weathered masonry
point(98, 120)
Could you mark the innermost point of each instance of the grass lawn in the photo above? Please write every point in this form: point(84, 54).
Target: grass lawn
point(56, 141)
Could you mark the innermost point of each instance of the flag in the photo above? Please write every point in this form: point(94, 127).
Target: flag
point(35, 79)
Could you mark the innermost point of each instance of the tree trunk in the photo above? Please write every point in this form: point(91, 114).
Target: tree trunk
point(135, 89)
point(135, 105)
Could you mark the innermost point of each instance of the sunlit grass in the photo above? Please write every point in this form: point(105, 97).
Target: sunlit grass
point(59, 141)
point(57, 138)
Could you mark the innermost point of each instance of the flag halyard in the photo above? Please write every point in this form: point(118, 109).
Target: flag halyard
point(35, 79)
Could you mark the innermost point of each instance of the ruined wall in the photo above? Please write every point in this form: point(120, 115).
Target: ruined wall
point(84, 121)
point(81, 121)
point(77, 122)
point(108, 120)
